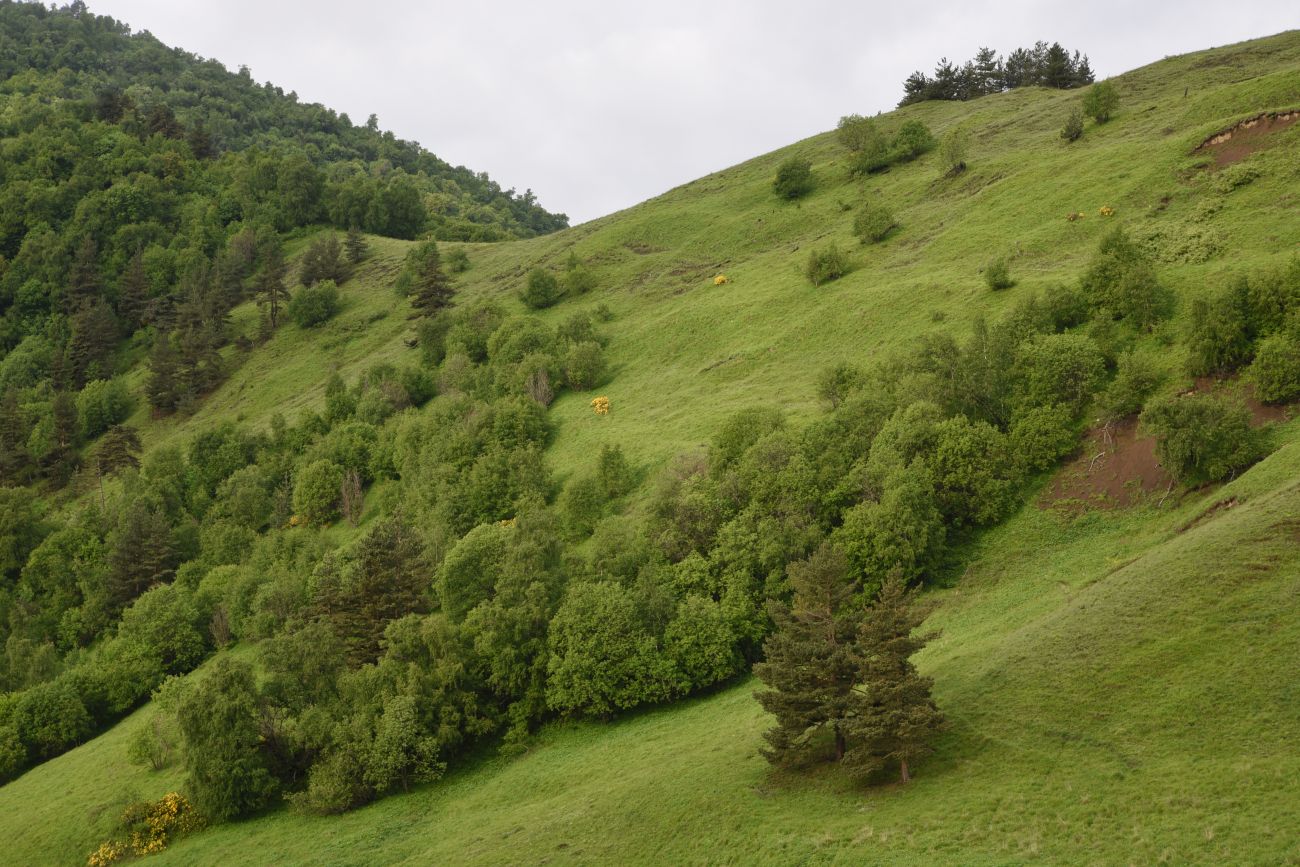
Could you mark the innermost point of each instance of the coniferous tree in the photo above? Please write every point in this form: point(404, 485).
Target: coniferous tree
point(161, 389)
point(425, 282)
point(143, 554)
point(14, 458)
point(94, 334)
point(897, 718)
point(62, 460)
point(272, 294)
point(811, 661)
point(119, 447)
point(133, 294)
point(356, 245)
point(84, 280)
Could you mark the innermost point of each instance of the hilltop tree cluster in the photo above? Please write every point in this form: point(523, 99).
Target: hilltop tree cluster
point(988, 72)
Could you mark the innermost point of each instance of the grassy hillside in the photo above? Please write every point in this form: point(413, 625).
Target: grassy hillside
point(1120, 684)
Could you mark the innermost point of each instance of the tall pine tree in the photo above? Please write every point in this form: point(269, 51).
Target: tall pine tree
point(425, 282)
point(272, 294)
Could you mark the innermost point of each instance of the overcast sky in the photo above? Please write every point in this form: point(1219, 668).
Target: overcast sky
point(599, 105)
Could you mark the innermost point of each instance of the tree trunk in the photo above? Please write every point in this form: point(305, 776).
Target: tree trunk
point(906, 777)
point(839, 744)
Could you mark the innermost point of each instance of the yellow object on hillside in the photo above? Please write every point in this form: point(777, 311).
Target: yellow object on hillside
point(1106, 211)
point(720, 279)
point(600, 405)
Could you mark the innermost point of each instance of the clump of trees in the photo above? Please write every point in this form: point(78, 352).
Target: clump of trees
point(871, 151)
point(988, 72)
point(1201, 438)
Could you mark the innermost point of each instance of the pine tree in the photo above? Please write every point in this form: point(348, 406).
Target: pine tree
point(356, 245)
point(117, 448)
point(425, 282)
point(14, 458)
point(133, 294)
point(61, 460)
point(84, 280)
point(811, 661)
point(142, 556)
point(94, 335)
point(272, 295)
point(898, 718)
point(161, 388)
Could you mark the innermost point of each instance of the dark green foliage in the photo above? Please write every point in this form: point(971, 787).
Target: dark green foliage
point(1275, 371)
point(272, 294)
point(228, 774)
point(793, 178)
point(323, 260)
point(902, 533)
point(1220, 335)
point(1101, 101)
point(1042, 435)
point(911, 141)
point(703, 642)
point(457, 261)
point(582, 505)
point(1057, 369)
point(1042, 65)
point(314, 305)
point(356, 246)
point(1073, 129)
point(613, 472)
point(541, 290)
point(997, 275)
point(143, 554)
point(584, 365)
point(119, 448)
point(1201, 438)
point(424, 281)
point(873, 223)
point(826, 264)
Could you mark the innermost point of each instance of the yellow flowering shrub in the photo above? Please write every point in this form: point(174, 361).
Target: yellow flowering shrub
point(600, 405)
point(147, 827)
point(296, 520)
point(721, 279)
point(1106, 211)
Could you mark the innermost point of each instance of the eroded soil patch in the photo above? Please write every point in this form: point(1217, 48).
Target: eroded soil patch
point(1243, 139)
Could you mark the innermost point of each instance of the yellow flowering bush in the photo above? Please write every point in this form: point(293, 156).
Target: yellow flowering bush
point(147, 827)
point(1106, 211)
point(296, 520)
point(600, 405)
point(721, 279)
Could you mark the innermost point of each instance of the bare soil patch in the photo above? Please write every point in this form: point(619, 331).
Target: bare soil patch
point(1243, 139)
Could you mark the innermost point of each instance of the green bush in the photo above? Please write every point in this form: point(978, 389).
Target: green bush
point(903, 532)
point(826, 264)
point(793, 178)
point(101, 404)
point(1121, 282)
point(1201, 438)
point(1101, 101)
point(1136, 379)
point(584, 365)
point(912, 140)
point(997, 275)
point(582, 505)
point(1043, 435)
point(314, 305)
point(873, 223)
point(541, 291)
point(1275, 371)
point(457, 261)
point(860, 135)
point(1219, 338)
point(953, 150)
point(317, 490)
point(1052, 369)
point(702, 642)
point(615, 474)
point(1073, 129)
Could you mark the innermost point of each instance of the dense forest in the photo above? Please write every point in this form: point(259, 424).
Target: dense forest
point(988, 72)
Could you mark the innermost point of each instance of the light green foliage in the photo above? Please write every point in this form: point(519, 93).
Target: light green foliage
point(953, 150)
point(1073, 129)
point(701, 640)
point(1121, 281)
point(997, 274)
point(1042, 435)
point(902, 533)
point(1137, 376)
point(873, 223)
point(826, 264)
point(602, 657)
point(314, 305)
point(794, 178)
point(316, 491)
point(1276, 368)
point(911, 141)
point(1057, 369)
point(541, 290)
point(102, 404)
point(584, 365)
point(1201, 438)
point(1220, 333)
point(1101, 100)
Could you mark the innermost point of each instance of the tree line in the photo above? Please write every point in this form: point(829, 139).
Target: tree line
point(1041, 65)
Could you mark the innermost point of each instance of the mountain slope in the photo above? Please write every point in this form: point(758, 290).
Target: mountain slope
point(1119, 686)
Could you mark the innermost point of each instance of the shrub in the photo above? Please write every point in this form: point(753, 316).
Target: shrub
point(323, 261)
point(316, 491)
point(793, 178)
point(457, 261)
point(903, 532)
point(1101, 101)
point(1219, 338)
point(860, 134)
point(912, 140)
point(826, 264)
point(975, 472)
point(873, 223)
point(314, 305)
point(582, 504)
point(1120, 280)
point(614, 472)
point(578, 279)
point(101, 404)
point(997, 275)
point(541, 291)
point(1276, 369)
point(837, 382)
point(953, 150)
point(584, 365)
point(1057, 369)
point(1043, 435)
point(1136, 379)
point(702, 642)
point(1201, 438)
point(1073, 129)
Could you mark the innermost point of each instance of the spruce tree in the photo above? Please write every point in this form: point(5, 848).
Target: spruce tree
point(425, 282)
point(896, 718)
point(84, 280)
point(143, 555)
point(94, 334)
point(356, 245)
point(117, 448)
point(161, 388)
point(811, 661)
point(62, 460)
point(272, 295)
point(133, 294)
point(14, 458)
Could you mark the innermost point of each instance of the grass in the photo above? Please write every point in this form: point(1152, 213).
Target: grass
point(1121, 689)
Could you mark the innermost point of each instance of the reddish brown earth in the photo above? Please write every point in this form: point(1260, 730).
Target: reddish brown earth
point(1117, 466)
point(1235, 144)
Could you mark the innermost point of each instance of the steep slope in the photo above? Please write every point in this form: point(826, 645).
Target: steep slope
point(1109, 678)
